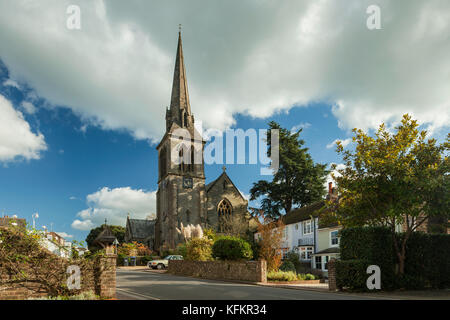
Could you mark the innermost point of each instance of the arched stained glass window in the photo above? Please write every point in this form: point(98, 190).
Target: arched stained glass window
point(224, 208)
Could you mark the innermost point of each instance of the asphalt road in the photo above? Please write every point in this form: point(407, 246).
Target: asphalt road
point(145, 285)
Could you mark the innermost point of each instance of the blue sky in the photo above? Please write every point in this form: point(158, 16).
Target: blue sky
point(80, 162)
point(81, 110)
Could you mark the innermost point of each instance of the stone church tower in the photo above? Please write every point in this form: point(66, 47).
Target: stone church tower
point(182, 196)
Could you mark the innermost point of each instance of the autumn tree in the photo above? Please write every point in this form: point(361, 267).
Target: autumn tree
point(393, 179)
point(299, 181)
point(270, 237)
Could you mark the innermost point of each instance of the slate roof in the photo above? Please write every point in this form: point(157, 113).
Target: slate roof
point(105, 237)
point(303, 213)
point(329, 250)
point(141, 228)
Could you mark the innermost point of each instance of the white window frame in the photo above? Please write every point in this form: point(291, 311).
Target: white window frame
point(315, 262)
point(307, 251)
point(309, 224)
point(331, 238)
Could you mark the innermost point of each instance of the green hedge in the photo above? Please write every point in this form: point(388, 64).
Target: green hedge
point(374, 245)
point(427, 261)
point(231, 248)
point(288, 266)
point(351, 274)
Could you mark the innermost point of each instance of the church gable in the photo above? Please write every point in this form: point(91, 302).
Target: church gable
point(224, 198)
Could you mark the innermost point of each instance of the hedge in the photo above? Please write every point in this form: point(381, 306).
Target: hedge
point(427, 261)
point(351, 274)
point(371, 244)
point(231, 248)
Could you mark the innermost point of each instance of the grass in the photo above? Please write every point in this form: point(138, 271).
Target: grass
point(288, 276)
point(88, 295)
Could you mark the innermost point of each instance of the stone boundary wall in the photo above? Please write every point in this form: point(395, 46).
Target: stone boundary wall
point(250, 271)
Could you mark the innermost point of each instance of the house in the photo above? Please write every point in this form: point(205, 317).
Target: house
point(141, 230)
point(56, 244)
point(327, 246)
point(7, 221)
point(302, 232)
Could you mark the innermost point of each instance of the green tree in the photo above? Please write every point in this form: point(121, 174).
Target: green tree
point(118, 231)
point(393, 179)
point(298, 182)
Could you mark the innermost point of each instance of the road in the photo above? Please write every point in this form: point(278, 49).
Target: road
point(148, 285)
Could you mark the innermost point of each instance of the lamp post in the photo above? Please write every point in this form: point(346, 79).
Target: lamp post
point(34, 216)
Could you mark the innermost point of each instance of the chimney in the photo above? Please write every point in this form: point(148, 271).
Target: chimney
point(330, 188)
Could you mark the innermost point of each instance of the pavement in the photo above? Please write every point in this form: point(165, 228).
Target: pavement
point(144, 284)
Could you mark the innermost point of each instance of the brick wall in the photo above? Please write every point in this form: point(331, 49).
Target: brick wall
point(332, 275)
point(252, 271)
point(99, 277)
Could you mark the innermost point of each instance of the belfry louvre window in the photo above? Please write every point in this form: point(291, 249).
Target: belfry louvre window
point(224, 208)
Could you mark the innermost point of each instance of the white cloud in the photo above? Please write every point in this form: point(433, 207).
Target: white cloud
point(28, 107)
point(16, 138)
point(302, 125)
point(271, 57)
point(114, 205)
point(344, 143)
point(339, 166)
point(65, 235)
point(84, 225)
point(11, 83)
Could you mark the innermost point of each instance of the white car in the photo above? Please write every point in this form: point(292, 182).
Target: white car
point(163, 263)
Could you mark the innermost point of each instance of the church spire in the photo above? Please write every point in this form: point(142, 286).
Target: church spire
point(180, 108)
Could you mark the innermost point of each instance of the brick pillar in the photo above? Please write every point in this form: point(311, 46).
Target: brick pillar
point(332, 275)
point(107, 279)
point(263, 268)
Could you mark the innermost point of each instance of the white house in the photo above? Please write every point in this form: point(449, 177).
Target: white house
point(301, 233)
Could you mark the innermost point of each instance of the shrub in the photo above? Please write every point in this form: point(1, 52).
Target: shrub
point(270, 240)
point(294, 258)
point(210, 234)
point(145, 260)
point(352, 274)
point(372, 244)
point(309, 276)
point(426, 265)
point(199, 249)
point(287, 266)
point(231, 248)
point(120, 258)
point(281, 276)
point(181, 250)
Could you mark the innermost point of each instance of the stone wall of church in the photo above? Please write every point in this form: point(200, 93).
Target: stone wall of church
point(176, 205)
point(216, 194)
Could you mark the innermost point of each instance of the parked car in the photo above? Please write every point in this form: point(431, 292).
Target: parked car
point(163, 263)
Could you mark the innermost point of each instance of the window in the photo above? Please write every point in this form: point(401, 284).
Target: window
point(318, 262)
point(224, 208)
point(306, 253)
point(188, 217)
point(296, 226)
point(307, 229)
point(284, 252)
point(334, 238)
point(326, 263)
point(224, 211)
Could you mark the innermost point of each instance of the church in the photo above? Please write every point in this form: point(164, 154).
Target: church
point(182, 195)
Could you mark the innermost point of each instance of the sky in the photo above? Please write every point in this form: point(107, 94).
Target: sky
point(82, 110)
